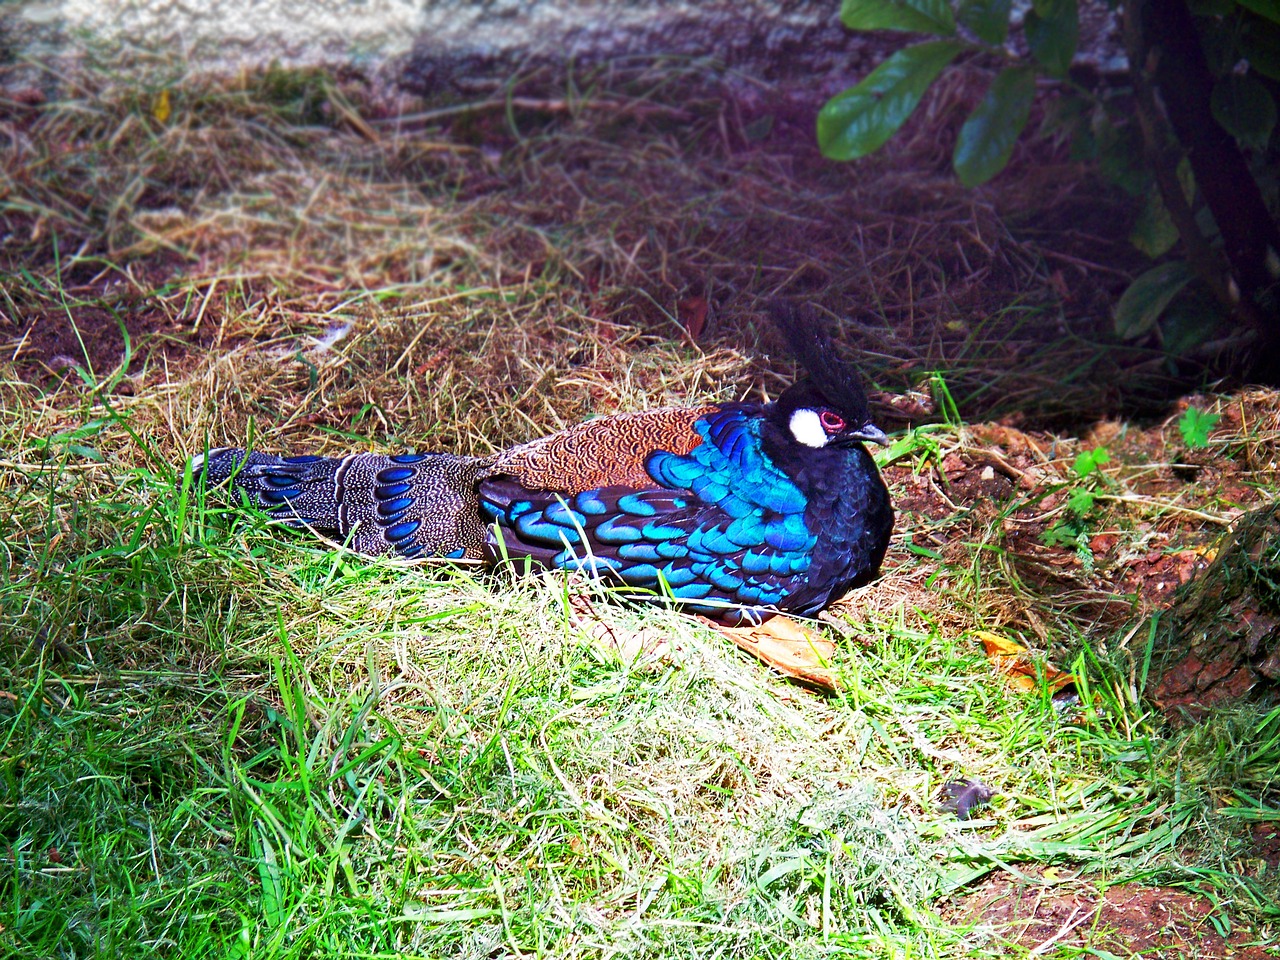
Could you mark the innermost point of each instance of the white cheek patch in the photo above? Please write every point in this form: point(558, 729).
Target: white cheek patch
point(807, 428)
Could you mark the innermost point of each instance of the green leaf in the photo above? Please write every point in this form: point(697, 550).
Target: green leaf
point(1089, 461)
point(270, 877)
point(758, 129)
point(85, 453)
point(1154, 232)
point(1263, 8)
point(911, 16)
point(776, 873)
point(1260, 44)
point(858, 121)
point(1220, 41)
point(988, 19)
point(1064, 115)
point(1081, 501)
point(1062, 535)
point(1195, 426)
point(1195, 317)
point(1053, 30)
point(1120, 156)
point(1246, 110)
point(986, 140)
point(1141, 305)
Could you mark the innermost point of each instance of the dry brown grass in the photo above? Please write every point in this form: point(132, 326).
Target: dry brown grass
point(280, 205)
point(329, 262)
point(325, 264)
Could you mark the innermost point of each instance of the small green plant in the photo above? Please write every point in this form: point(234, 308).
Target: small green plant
point(920, 442)
point(1077, 528)
point(1090, 461)
point(1195, 426)
point(1081, 501)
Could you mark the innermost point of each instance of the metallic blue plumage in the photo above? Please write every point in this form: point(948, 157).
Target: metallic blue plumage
point(393, 508)
point(395, 474)
point(402, 530)
point(725, 524)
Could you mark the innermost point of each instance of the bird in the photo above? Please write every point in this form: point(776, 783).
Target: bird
point(735, 511)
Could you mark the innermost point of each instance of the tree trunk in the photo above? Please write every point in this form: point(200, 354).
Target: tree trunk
point(1182, 75)
point(1221, 638)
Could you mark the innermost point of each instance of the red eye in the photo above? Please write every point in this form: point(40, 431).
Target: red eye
point(831, 422)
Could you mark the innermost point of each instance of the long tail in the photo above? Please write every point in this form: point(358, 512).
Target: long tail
point(411, 504)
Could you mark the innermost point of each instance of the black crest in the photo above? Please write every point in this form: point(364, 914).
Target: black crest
point(807, 337)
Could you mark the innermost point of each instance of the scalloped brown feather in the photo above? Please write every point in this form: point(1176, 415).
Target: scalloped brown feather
point(607, 451)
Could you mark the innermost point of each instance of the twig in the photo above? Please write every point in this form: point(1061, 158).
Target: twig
point(1071, 924)
point(531, 103)
point(1152, 502)
point(1078, 262)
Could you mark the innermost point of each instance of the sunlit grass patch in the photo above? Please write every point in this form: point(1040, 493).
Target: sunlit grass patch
point(305, 750)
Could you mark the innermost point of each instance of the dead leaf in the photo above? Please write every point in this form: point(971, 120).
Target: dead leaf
point(791, 649)
point(692, 312)
point(162, 107)
point(914, 404)
point(1014, 661)
point(1100, 543)
point(794, 651)
point(628, 645)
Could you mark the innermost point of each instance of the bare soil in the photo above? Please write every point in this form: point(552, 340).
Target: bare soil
point(1020, 480)
point(50, 345)
point(1127, 920)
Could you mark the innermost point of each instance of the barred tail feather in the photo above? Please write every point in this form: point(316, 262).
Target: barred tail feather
point(410, 505)
point(301, 489)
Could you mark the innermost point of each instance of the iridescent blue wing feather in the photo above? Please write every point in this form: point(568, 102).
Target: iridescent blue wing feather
point(721, 530)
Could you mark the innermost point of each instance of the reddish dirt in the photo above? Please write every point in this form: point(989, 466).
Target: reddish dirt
point(1003, 463)
point(1266, 845)
point(48, 334)
point(50, 346)
point(1128, 920)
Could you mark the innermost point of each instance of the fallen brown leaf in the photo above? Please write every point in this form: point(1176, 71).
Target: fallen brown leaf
point(793, 650)
point(1014, 661)
point(629, 645)
point(692, 312)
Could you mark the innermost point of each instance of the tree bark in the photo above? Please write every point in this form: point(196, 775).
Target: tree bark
point(1221, 638)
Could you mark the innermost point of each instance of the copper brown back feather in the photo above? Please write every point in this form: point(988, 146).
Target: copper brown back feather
point(607, 451)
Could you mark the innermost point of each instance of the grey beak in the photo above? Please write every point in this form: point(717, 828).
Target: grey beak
point(870, 433)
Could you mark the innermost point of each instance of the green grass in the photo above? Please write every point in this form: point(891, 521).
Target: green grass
point(220, 744)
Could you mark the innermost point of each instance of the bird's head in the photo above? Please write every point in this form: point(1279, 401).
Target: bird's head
point(829, 406)
point(814, 420)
